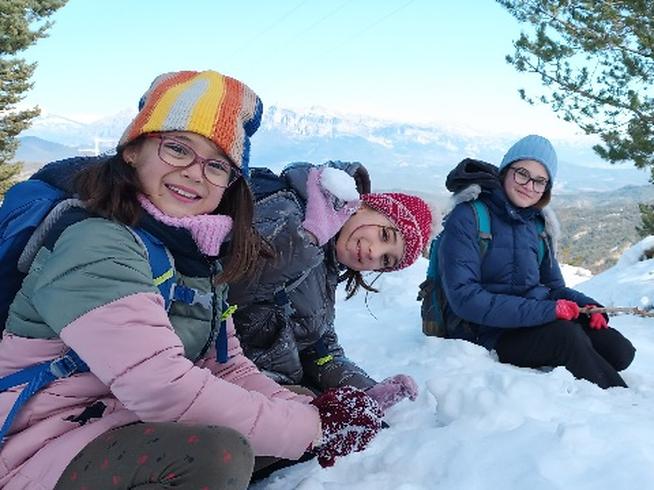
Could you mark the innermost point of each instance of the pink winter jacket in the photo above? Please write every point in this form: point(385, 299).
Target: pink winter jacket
point(139, 371)
point(276, 421)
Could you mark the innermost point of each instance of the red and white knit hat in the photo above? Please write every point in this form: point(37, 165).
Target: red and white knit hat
point(410, 214)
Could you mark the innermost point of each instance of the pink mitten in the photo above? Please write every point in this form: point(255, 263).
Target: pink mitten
point(350, 419)
point(392, 390)
point(321, 218)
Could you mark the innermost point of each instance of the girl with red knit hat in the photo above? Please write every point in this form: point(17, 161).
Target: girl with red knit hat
point(323, 235)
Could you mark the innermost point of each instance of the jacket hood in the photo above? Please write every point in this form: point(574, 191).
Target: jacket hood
point(61, 173)
point(296, 175)
point(470, 171)
point(470, 178)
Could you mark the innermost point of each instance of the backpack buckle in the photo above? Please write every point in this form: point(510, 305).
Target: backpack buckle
point(191, 296)
point(63, 367)
point(203, 299)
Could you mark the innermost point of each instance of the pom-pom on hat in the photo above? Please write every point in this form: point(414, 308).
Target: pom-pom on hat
point(412, 217)
point(218, 107)
point(533, 147)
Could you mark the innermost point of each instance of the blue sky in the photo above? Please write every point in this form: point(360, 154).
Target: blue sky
point(414, 60)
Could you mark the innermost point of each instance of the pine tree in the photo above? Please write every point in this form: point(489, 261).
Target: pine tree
point(647, 218)
point(22, 23)
point(596, 62)
point(596, 59)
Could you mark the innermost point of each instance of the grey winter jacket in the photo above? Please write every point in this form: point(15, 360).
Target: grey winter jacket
point(294, 341)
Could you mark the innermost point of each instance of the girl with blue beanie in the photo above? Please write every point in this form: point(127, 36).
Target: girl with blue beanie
point(507, 289)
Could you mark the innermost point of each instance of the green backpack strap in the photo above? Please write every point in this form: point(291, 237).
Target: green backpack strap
point(540, 227)
point(433, 269)
point(483, 224)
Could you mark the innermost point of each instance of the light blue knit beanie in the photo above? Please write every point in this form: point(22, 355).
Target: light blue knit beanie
point(533, 147)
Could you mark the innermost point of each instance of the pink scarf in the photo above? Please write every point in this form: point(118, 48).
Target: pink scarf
point(208, 230)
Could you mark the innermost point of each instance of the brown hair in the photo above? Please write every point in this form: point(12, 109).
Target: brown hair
point(110, 189)
point(354, 281)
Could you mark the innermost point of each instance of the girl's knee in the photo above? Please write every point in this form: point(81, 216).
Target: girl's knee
point(626, 354)
point(230, 440)
point(212, 456)
point(227, 458)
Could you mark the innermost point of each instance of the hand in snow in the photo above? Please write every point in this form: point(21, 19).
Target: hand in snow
point(596, 321)
point(566, 309)
point(350, 420)
point(392, 390)
point(322, 218)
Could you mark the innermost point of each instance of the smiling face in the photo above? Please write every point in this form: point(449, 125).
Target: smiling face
point(369, 241)
point(176, 191)
point(523, 195)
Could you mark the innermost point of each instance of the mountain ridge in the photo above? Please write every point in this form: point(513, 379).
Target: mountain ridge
point(406, 157)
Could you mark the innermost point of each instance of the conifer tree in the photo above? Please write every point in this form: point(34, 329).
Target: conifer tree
point(22, 23)
point(595, 60)
point(647, 218)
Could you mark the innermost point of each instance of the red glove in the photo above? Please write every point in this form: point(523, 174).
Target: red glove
point(566, 310)
point(597, 320)
point(350, 420)
point(392, 390)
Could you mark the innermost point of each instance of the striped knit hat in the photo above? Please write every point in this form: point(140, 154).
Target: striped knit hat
point(208, 103)
point(410, 214)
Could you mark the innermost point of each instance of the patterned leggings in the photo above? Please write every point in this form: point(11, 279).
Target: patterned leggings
point(148, 456)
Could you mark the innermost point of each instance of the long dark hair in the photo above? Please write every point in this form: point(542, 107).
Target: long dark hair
point(354, 282)
point(110, 189)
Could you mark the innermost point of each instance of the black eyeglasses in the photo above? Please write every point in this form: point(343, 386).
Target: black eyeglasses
point(522, 176)
point(218, 172)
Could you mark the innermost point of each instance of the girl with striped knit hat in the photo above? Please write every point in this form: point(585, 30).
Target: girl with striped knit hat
point(167, 398)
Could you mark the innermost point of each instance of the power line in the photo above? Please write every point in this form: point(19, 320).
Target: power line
point(270, 27)
point(325, 17)
point(313, 25)
point(375, 23)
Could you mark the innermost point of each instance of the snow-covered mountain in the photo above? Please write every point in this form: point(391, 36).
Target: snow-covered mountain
point(398, 155)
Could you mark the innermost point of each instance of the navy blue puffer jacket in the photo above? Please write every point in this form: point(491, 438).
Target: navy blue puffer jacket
point(507, 287)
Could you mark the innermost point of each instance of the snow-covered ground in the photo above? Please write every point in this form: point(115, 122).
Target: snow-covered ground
point(479, 424)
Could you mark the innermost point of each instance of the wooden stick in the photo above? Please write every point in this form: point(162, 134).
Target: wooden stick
point(630, 310)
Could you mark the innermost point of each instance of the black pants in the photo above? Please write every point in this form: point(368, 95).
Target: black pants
point(595, 355)
point(151, 456)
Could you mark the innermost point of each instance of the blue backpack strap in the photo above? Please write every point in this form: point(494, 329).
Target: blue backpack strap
point(483, 224)
point(221, 339)
point(163, 273)
point(36, 377)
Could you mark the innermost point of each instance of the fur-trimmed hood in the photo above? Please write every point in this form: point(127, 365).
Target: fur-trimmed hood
point(471, 177)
